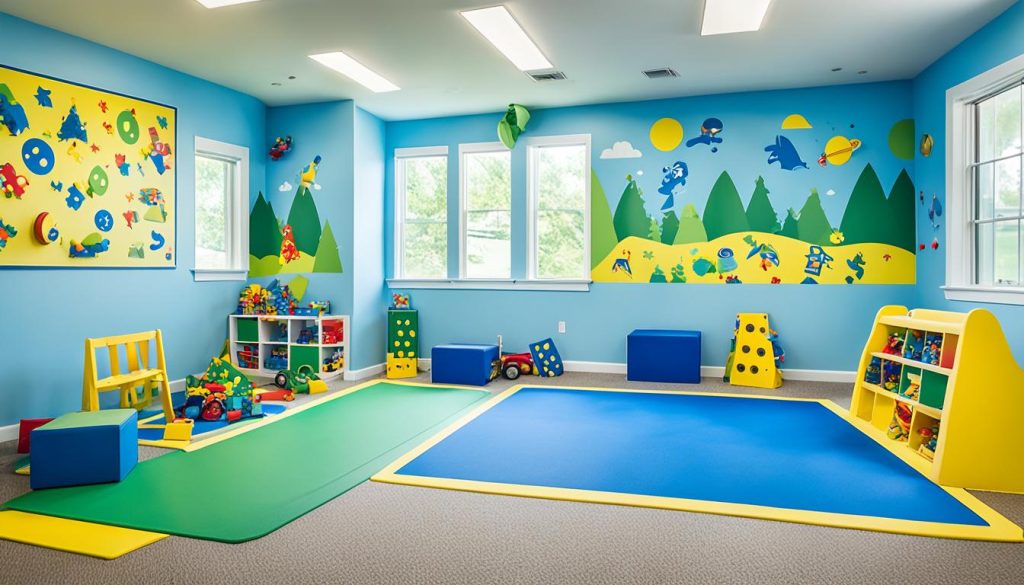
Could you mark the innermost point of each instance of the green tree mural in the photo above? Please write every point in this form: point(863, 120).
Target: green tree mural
point(630, 216)
point(305, 222)
point(789, 229)
point(901, 213)
point(658, 275)
point(691, 228)
point(760, 214)
point(327, 258)
point(866, 218)
point(654, 232)
point(602, 230)
point(264, 233)
point(669, 227)
point(813, 226)
point(724, 213)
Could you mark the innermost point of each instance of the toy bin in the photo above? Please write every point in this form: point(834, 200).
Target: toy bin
point(83, 448)
point(656, 355)
point(466, 364)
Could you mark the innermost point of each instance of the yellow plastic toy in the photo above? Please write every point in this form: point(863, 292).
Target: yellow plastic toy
point(179, 430)
point(966, 393)
point(752, 360)
point(139, 374)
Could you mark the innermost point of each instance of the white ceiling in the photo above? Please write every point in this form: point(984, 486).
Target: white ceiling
point(445, 67)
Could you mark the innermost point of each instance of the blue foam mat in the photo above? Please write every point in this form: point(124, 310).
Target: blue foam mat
point(777, 453)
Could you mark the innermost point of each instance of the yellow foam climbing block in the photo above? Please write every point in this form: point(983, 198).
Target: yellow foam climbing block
point(84, 538)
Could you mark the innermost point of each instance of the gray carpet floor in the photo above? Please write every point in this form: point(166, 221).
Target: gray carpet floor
point(389, 534)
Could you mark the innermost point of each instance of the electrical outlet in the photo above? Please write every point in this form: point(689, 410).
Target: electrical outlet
point(561, 326)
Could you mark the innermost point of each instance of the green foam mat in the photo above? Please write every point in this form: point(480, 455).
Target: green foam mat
point(249, 485)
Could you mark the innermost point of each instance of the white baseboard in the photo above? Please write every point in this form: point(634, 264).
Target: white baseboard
point(10, 432)
point(705, 371)
point(356, 375)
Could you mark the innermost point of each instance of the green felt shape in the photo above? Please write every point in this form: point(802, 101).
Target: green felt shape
point(724, 213)
point(631, 217)
point(813, 226)
point(901, 139)
point(250, 485)
point(305, 222)
point(691, 228)
point(298, 286)
point(327, 258)
point(512, 125)
point(602, 229)
point(264, 231)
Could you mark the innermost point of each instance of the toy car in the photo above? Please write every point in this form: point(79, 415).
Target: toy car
point(514, 365)
point(285, 395)
point(300, 381)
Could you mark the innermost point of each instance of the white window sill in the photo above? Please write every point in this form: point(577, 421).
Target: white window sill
point(482, 284)
point(211, 274)
point(1003, 295)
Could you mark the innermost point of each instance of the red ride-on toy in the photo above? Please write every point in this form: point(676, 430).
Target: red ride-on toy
point(514, 365)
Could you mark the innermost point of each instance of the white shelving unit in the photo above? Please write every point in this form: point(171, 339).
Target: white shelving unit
point(262, 336)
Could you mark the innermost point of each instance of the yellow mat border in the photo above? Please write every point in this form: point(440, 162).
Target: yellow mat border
point(1000, 529)
point(101, 541)
point(268, 420)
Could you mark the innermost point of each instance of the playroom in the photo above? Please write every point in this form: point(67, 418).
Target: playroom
point(444, 291)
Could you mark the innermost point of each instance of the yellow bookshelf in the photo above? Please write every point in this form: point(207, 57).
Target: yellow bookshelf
point(964, 382)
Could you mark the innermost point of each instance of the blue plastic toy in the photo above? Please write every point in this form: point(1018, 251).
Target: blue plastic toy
point(654, 355)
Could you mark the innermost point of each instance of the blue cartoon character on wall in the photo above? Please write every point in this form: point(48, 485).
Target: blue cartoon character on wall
point(709, 131)
point(12, 114)
point(675, 176)
point(784, 153)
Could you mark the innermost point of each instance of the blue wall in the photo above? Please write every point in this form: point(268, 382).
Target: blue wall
point(368, 315)
point(821, 327)
point(999, 41)
point(46, 313)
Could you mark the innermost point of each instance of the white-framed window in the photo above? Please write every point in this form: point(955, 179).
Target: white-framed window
point(221, 211)
point(485, 211)
point(558, 208)
point(421, 213)
point(985, 227)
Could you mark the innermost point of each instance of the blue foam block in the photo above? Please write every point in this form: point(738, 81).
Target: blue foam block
point(663, 355)
point(462, 363)
point(85, 448)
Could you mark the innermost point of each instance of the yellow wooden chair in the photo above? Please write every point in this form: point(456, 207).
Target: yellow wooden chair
point(139, 374)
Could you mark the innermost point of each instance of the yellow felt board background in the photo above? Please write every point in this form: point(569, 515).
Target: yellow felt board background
point(75, 162)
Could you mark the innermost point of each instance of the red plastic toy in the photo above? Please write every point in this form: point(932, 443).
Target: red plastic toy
point(281, 146)
point(514, 365)
point(285, 395)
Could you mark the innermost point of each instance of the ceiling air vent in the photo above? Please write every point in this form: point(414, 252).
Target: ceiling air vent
point(548, 76)
point(661, 73)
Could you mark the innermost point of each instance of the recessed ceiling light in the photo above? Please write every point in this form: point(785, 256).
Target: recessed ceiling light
point(355, 71)
point(222, 3)
point(836, 69)
point(733, 16)
point(498, 27)
point(862, 72)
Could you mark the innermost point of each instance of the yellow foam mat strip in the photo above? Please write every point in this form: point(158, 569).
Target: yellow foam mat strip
point(84, 538)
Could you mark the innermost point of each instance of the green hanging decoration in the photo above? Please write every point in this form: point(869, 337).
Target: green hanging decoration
point(513, 124)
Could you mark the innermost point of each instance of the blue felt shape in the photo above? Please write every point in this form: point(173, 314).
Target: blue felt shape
point(546, 358)
point(86, 454)
point(43, 97)
point(796, 455)
point(655, 355)
point(466, 364)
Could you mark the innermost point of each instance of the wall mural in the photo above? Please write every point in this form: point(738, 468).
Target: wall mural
point(732, 242)
point(297, 243)
point(86, 176)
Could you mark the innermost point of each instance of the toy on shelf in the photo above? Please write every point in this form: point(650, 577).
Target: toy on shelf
point(403, 343)
point(400, 301)
point(222, 394)
point(278, 331)
point(335, 362)
point(891, 375)
point(301, 381)
point(307, 336)
point(893, 344)
point(276, 299)
point(932, 349)
point(899, 428)
point(278, 359)
point(873, 373)
point(913, 347)
point(281, 147)
point(755, 355)
point(334, 332)
point(249, 357)
point(929, 441)
point(323, 307)
point(913, 389)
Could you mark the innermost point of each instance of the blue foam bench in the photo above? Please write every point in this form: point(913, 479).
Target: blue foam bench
point(84, 448)
point(663, 355)
point(462, 363)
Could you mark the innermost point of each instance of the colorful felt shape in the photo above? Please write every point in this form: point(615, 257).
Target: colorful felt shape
point(12, 114)
point(11, 182)
point(91, 246)
point(72, 128)
point(45, 229)
point(512, 124)
point(6, 233)
point(84, 448)
point(43, 97)
point(784, 153)
point(38, 156)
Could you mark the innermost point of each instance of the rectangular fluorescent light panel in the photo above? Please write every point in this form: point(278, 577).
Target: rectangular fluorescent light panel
point(355, 71)
point(222, 3)
point(498, 27)
point(733, 16)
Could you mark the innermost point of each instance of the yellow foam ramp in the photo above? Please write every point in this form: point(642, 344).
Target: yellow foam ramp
point(84, 538)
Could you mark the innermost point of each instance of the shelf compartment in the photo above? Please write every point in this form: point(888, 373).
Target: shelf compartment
point(949, 345)
point(909, 322)
point(304, 355)
point(332, 359)
point(933, 390)
point(913, 363)
point(933, 412)
point(922, 430)
point(247, 330)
